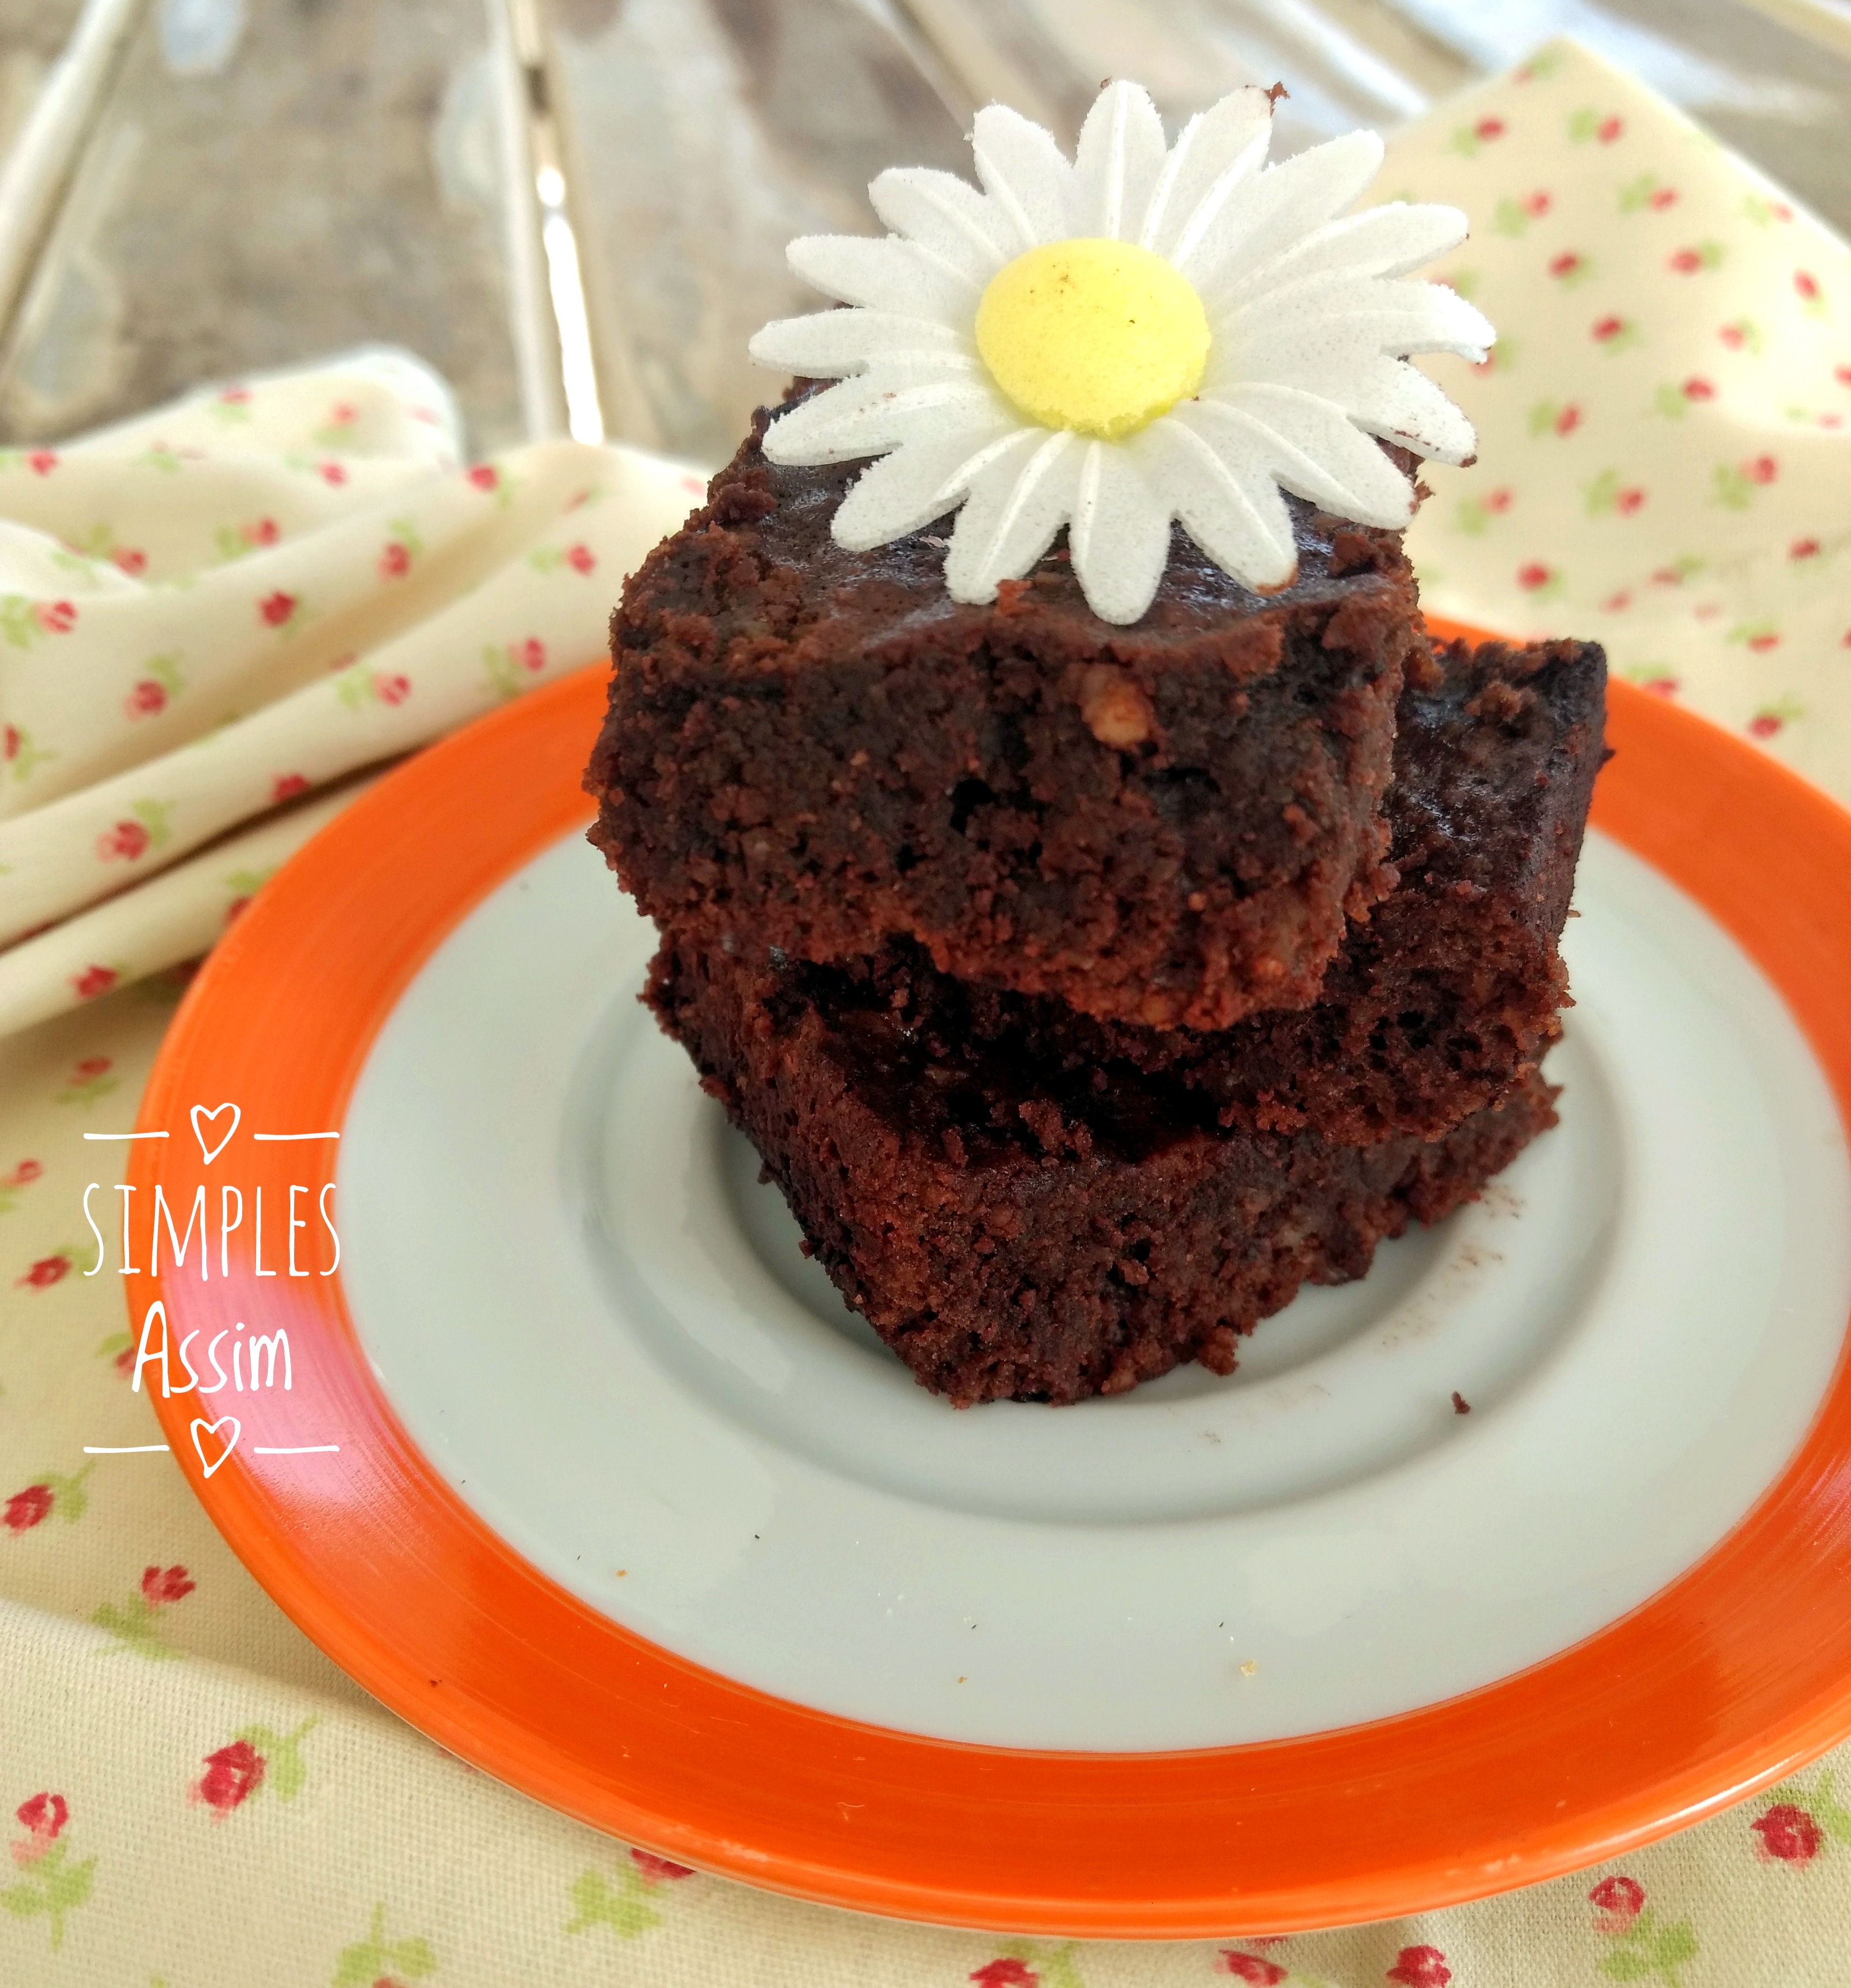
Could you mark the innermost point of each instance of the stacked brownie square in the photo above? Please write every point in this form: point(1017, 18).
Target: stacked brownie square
point(1088, 989)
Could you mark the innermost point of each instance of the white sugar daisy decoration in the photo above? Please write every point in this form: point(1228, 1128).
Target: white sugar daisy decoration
point(1143, 333)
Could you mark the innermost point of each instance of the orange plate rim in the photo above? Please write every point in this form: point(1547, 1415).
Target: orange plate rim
point(1729, 1678)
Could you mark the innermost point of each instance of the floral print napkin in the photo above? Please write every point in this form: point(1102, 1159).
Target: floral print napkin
point(221, 609)
point(259, 595)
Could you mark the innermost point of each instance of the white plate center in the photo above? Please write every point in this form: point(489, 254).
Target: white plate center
point(598, 1326)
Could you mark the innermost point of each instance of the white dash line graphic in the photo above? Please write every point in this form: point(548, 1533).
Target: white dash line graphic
point(127, 1135)
point(121, 1449)
point(306, 1449)
point(276, 1137)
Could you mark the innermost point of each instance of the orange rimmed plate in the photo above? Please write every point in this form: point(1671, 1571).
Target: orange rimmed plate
point(1092, 1782)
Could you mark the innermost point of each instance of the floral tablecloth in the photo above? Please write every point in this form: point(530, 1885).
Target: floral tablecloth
point(308, 581)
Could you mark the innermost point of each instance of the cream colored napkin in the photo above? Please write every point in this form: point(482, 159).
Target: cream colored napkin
point(191, 1795)
point(1665, 423)
point(241, 599)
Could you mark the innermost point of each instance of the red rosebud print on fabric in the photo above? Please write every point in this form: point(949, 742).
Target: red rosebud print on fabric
point(126, 840)
point(394, 562)
point(1566, 264)
point(92, 1065)
point(55, 617)
point(232, 1774)
point(42, 461)
point(1764, 726)
point(1610, 129)
point(333, 472)
point(1250, 1967)
point(1842, 375)
point(145, 699)
point(1536, 205)
point(130, 561)
point(27, 1170)
point(276, 608)
point(262, 532)
point(161, 1585)
point(93, 981)
point(485, 475)
point(1697, 388)
point(49, 1270)
point(286, 787)
point(1661, 197)
point(1006, 1974)
point(581, 558)
point(1803, 549)
point(342, 415)
point(1420, 1967)
point(1568, 420)
point(1488, 128)
point(1788, 1834)
point(10, 742)
point(533, 654)
point(1807, 284)
point(1606, 329)
point(26, 1508)
point(658, 1869)
point(1618, 1902)
point(43, 1817)
point(1533, 575)
point(392, 690)
point(1761, 469)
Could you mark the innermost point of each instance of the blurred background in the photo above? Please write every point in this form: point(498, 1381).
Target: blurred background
point(577, 209)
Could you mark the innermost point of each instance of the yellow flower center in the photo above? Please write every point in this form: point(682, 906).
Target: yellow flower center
point(1097, 336)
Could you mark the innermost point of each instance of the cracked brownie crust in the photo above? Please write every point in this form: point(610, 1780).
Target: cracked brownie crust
point(1163, 825)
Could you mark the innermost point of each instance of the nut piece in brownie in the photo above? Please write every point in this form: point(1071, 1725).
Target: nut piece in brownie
point(1014, 1233)
point(1164, 824)
point(1435, 1007)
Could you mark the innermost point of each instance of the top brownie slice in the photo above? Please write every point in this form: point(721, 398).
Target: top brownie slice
point(1164, 824)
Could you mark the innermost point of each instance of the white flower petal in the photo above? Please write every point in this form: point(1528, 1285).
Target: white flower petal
point(869, 415)
point(1025, 173)
point(922, 480)
point(1276, 207)
point(1219, 149)
point(1308, 446)
point(940, 214)
point(1118, 162)
point(1017, 504)
point(1387, 397)
point(1334, 312)
point(886, 273)
point(1227, 504)
point(830, 343)
point(1379, 241)
point(1120, 533)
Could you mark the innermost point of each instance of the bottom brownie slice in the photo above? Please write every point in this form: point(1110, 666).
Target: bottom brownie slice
point(1011, 1239)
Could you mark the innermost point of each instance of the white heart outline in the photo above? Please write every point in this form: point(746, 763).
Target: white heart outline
point(212, 1428)
point(199, 1112)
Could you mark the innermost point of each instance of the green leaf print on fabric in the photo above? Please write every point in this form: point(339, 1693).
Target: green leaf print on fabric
point(50, 1493)
point(509, 667)
point(1029, 1963)
point(136, 1625)
point(625, 1906)
point(1643, 1948)
point(20, 754)
point(1734, 484)
point(402, 548)
point(13, 1185)
point(256, 1758)
point(23, 622)
point(1608, 496)
point(374, 1959)
point(51, 1884)
point(579, 559)
point(89, 1079)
